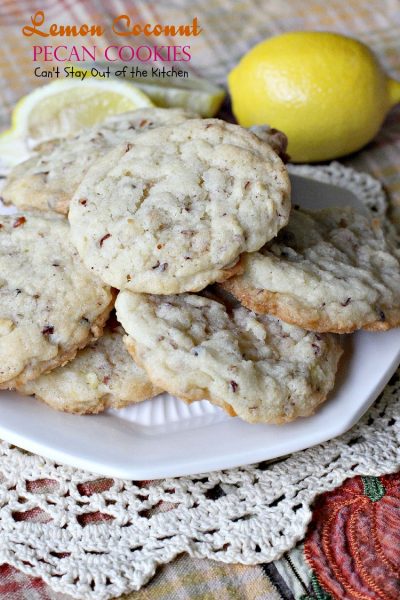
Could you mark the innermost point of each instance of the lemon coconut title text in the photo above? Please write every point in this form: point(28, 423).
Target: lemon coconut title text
point(122, 26)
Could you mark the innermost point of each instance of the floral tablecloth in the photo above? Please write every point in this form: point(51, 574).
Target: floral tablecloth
point(352, 548)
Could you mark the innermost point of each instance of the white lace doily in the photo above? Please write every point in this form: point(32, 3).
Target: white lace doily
point(96, 546)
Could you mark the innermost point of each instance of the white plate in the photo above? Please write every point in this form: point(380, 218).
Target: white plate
point(164, 437)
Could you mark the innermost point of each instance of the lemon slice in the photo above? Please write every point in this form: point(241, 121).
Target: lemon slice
point(193, 93)
point(64, 106)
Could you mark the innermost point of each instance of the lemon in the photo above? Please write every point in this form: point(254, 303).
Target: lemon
point(193, 94)
point(62, 108)
point(326, 91)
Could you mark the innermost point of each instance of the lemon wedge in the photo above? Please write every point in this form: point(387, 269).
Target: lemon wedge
point(63, 107)
point(193, 94)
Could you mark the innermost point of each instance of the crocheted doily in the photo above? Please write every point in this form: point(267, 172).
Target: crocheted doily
point(98, 538)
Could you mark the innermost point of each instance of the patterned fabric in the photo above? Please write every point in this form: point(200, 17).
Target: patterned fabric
point(353, 543)
point(230, 27)
point(15, 585)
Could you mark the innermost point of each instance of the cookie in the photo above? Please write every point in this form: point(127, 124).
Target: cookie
point(274, 137)
point(253, 366)
point(330, 270)
point(103, 375)
point(50, 304)
point(173, 210)
point(49, 178)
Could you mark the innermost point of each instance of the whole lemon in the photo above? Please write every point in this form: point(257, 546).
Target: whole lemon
point(326, 91)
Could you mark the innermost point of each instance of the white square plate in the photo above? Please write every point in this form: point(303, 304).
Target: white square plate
point(164, 437)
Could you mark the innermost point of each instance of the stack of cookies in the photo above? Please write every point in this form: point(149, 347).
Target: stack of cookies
point(222, 291)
